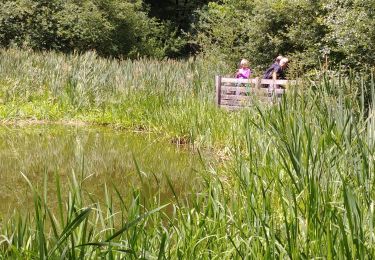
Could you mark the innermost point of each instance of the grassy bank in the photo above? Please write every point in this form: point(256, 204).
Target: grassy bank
point(166, 97)
point(298, 182)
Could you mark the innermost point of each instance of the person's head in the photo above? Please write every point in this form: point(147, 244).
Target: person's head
point(283, 62)
point(244, 63)
point(278, 58)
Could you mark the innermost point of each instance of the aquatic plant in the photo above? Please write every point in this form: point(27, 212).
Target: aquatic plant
point(296, 179)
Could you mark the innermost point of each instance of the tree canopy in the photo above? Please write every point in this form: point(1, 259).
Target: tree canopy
point(310, 32)
point(341, 32)
point(111, 27)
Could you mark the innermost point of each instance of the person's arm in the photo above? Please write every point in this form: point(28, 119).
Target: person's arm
point(243, 74)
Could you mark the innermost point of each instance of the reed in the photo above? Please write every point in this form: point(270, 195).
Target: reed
point(297, 180)
point(160, 96)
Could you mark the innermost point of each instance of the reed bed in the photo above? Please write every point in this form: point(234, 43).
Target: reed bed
point(149, 95)
point(297, 182)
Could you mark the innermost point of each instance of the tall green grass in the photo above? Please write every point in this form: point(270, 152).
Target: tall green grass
point(297, 180)
point(161, 96)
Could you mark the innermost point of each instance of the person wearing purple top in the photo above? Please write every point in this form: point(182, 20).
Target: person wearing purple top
point(244, 72)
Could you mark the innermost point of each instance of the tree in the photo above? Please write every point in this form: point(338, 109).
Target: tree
point(111, 27)
point(351, 36)
point(307, 31)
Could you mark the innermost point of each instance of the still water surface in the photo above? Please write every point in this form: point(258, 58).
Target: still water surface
point(96, 155)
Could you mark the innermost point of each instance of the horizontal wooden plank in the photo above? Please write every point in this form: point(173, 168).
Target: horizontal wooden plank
point(235, 80)
point(282, 82)
point(271, 81)
point(236, 97)
point(252, 91)
point(238, 89)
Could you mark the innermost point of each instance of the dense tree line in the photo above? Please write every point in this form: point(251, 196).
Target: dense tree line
point(179, 12)
point(111, 27)
point(311, 32)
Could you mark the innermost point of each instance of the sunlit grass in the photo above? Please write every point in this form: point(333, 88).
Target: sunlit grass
point(161, 96)
point(297, 180)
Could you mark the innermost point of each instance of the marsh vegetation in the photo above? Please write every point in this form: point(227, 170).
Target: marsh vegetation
point(291, 180)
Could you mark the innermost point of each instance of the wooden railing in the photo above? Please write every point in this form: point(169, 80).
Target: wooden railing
point(233, 93)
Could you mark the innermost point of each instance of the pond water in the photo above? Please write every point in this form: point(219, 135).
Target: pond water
point(97, 156)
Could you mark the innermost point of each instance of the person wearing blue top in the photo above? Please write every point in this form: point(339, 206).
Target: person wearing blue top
point(278, 68)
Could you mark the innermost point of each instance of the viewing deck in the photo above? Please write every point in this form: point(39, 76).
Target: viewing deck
point(233, 93)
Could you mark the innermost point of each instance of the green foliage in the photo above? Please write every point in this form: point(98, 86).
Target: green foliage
point(311, 33)
point(111, 27)
point(308, 32)
point(179, 13)
point(351, 37)
point(220, 32)
point(296, 179)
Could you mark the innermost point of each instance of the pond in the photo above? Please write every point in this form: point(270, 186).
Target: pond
point(96, 156)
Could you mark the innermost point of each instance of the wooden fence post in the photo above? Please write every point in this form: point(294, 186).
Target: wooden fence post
point(274, 77)
point(273, 88)
point(218, 90)
point(257, 83)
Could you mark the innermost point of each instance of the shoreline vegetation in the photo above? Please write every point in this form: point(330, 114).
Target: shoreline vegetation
point(299, 181)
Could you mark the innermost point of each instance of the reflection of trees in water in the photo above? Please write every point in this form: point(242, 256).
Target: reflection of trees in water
point(96, 155)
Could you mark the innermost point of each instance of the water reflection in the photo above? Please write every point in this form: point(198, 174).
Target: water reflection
point(96, 155)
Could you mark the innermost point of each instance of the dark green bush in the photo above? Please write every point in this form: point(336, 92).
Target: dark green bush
point(111, 27)
point(311, 33)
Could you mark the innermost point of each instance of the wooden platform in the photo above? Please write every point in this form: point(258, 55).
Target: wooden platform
point(233, 93)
